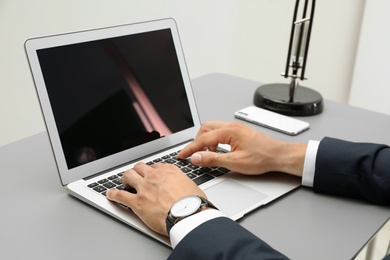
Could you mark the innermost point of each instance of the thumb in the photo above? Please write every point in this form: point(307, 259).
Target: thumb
point(207, 159)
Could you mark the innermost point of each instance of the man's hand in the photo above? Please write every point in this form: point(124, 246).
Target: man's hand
point(252, 152)
point(158, 187)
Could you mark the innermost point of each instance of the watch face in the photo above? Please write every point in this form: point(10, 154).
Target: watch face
point(186, 206)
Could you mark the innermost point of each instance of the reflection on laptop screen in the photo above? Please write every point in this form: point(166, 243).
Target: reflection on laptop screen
point(113, 94)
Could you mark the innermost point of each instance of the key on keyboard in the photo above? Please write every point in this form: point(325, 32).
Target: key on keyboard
point(198, 174)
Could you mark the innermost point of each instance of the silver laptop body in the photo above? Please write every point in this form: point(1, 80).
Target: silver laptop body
point(115, 96)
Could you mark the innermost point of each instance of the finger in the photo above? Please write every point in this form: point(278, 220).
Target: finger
point(142, 168)
point(210, 148)
point(209, 126)
point(163, 165)
point(131, 178)
point(193, 147)
point(206, 141)
point(120, 196)
point(197, 144)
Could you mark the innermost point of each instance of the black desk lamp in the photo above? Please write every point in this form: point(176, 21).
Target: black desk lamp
point(292, 99)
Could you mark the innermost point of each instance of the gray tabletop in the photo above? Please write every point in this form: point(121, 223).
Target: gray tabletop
point(39, 220)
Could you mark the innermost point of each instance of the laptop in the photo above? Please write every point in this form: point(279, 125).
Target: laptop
point(115, 96)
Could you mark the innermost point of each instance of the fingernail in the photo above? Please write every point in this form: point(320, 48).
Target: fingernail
point(196, 158)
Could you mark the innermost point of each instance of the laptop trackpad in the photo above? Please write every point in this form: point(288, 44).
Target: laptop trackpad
point(232, 198)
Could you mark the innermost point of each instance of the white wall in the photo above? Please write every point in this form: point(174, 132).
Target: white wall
point(371, 78)
point(244, 38)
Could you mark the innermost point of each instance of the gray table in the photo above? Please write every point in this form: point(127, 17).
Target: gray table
point(39, 220)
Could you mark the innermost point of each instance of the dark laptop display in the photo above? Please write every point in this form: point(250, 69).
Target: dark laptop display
point(113, 94)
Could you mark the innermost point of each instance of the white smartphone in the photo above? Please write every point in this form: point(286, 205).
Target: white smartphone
point(272, 120)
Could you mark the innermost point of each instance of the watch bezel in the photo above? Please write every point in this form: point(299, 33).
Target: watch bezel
point(195, 207)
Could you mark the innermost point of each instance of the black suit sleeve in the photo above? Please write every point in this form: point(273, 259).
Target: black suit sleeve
point(223, 238)
point(356, 170)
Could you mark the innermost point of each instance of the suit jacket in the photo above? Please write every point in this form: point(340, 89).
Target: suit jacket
point(357, 170)
point(223, 238)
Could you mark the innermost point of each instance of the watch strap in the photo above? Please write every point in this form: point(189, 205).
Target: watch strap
point(170, 220)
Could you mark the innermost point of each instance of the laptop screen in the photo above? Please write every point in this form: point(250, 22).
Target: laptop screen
point(112, 94)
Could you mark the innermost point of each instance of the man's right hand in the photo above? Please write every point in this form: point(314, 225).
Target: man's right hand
point(252, 152)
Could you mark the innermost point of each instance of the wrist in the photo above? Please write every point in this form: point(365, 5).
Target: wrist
point(291, 158)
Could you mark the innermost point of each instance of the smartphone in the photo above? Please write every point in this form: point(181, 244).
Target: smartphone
point(272, 120)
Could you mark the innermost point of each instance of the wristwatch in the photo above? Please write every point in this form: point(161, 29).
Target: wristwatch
point(185, 207)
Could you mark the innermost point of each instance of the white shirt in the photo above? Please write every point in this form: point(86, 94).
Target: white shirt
point(185, 226)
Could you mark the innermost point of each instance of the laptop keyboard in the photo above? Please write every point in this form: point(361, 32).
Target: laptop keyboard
point(198, 174)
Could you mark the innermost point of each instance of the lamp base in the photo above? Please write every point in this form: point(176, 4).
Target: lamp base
point(275, 97)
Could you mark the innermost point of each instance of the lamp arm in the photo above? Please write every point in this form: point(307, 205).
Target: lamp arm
point(286, 73)
point(308, 39)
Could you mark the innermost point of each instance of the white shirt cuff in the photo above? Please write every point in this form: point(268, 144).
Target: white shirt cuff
point(309, 166)
point(185, 226)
